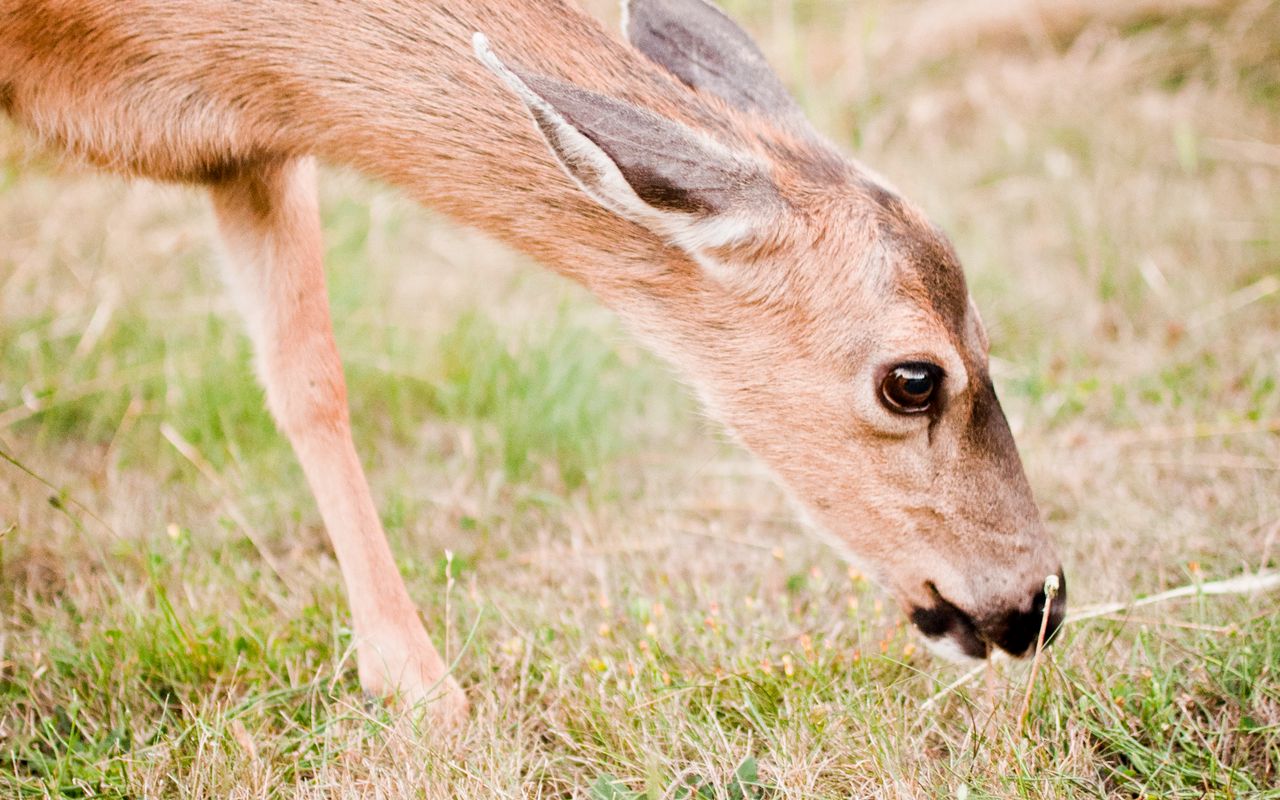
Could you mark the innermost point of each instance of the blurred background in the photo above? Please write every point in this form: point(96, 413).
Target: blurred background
point(630, 593)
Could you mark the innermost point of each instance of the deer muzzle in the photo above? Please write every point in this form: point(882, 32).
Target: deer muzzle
point(1015, 629)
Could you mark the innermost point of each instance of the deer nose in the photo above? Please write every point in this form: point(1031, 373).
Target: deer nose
point(945, 621)
point(1015, 632)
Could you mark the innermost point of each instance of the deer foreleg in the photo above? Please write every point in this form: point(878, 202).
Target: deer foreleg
point(270, 223)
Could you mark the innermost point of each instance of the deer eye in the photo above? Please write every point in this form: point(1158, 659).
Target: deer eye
point(911, 388)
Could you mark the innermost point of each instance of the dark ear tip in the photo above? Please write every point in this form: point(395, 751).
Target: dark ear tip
point(702, 46)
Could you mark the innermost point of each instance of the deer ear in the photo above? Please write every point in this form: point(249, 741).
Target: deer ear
point(651, 170)
point(705, 49)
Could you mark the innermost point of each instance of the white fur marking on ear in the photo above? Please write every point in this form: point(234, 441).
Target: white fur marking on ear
point(612, 190)
point(707, 234)
point(625, 22)
point(597, 175)
point(697, 236)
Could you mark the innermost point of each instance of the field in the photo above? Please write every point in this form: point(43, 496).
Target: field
point(631, 604)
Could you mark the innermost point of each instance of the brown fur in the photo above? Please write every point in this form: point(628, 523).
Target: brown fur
point(234, 95)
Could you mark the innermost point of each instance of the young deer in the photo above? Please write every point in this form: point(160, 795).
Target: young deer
point(817, 313)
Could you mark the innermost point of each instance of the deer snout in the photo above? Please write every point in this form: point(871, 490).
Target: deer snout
point(955, 632)
point(1015, 631)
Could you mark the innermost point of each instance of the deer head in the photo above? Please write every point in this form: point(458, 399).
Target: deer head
point(826, 323)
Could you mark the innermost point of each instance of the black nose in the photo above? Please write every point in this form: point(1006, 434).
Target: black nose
point(944, 619)
point(1016, 632)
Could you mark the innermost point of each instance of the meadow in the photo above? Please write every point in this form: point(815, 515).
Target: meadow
point(630, 601)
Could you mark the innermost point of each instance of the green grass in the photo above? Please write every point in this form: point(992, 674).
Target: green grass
point(636, 612)
point(547, 400)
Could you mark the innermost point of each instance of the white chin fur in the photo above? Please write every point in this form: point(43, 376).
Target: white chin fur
point(948, 649)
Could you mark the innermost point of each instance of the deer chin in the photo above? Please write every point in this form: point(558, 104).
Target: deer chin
point(949, 650)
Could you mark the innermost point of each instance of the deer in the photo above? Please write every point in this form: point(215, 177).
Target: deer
point(814, 311)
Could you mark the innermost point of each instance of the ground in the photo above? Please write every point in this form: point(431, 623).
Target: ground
point(629, 600)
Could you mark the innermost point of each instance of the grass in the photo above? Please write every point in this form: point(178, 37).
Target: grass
point(636, 611)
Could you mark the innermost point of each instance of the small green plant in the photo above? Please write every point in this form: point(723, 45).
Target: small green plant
point(744, 784)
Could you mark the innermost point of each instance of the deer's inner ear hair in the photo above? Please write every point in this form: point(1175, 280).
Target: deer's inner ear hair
point(659, 173)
